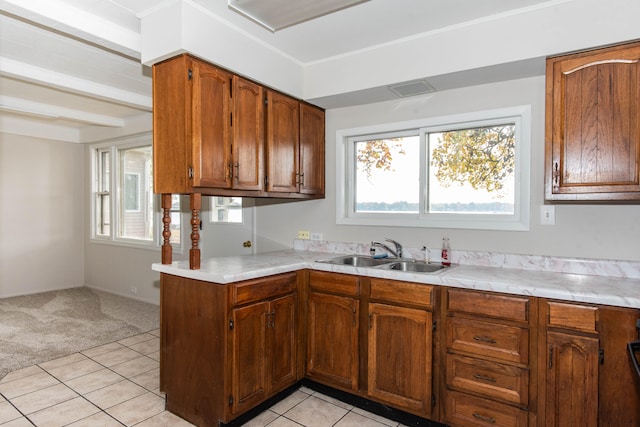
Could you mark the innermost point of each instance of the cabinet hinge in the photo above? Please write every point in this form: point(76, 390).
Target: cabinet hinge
point(231, 119)
point(190, 173)
point(266, 181)
point(230, 400)
point(231, 87)
point(190, 74)
point(433, 401)
point(434, 325)
point(601, 356)
point(231, 324)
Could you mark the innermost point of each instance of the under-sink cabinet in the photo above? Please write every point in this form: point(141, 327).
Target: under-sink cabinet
point(333, 329)
point(400, 345)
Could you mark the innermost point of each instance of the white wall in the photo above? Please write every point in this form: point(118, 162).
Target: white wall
point(585, 231)
point(41, 215)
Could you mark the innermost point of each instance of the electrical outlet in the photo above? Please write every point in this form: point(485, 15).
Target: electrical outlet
point(303, 234)
point(547, 215)
point(315, 235)
point(134, 290)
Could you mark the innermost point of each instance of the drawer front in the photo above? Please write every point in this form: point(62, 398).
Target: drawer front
point(464, 410)
point(402, 292)
point(488, 304)
point(260, 289)
point(509, 343)
point(490, 379)
point(334, 282)
point(572, 316)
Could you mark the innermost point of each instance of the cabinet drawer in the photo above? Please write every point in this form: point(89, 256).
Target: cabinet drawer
point(573, 316)
point(490, 339)
point(402, 292)
point(490, 379)
point(260, 289)
point(464, 410)
point(334, 282)
point(488, 304)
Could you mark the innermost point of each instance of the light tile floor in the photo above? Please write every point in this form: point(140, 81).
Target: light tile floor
point(118, 384)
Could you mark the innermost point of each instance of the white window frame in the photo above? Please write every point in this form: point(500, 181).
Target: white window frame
point(113, 146)
point(345, 173)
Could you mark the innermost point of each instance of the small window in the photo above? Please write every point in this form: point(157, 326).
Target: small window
point(125, 209)
point(226, 210)
point(466, 171)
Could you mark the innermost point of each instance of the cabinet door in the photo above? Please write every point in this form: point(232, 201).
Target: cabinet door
point(332, 355)
point(311, 150)
point(248, 135)
point(211, 126)
point(593, 125)
point(283, 140)
point(249, 359)
point(572, 380)
point(281, 340)
point(400, 353)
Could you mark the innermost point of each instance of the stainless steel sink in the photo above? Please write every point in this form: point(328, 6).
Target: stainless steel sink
point(407, 265)
point(414, 266)
point(357, 261)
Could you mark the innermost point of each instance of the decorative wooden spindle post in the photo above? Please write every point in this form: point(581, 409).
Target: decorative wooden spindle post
point(194, 252)
point(166, 230)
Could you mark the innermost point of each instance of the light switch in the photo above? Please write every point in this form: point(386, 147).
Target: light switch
point(547, 215)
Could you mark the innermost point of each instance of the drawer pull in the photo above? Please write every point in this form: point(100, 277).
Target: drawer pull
point(485, 339)
point(484, 378)
point(484, 418)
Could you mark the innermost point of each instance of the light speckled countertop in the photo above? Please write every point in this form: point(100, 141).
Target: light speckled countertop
point(615, 291)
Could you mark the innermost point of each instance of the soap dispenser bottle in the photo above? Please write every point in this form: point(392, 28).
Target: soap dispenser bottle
point(446, 252)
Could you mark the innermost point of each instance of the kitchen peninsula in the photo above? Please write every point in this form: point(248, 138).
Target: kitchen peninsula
point(490, 340)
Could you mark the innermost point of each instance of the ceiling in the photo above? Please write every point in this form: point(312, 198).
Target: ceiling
point(68, 65)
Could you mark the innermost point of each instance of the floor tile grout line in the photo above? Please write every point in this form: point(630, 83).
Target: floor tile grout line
point(17, 409)
point(82, 395)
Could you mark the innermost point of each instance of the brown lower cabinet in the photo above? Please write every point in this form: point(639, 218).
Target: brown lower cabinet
point(455, 356)
point(226, 348)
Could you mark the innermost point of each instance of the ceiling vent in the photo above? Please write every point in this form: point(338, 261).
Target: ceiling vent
point(416, 87)
point(278, 14)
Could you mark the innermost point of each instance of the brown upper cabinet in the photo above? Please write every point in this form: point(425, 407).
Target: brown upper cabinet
point(217, 133)
point(593, 125)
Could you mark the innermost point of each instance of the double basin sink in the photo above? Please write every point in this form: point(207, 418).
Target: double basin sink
point(394, 264)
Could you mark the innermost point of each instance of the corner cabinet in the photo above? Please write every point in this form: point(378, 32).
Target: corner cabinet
point(593, 125)
point(216, 133)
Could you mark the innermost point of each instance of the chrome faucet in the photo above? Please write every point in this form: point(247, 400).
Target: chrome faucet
point(397, 253)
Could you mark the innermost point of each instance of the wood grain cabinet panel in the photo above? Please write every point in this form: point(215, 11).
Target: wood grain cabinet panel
point(593, 125)
point(489, 339)
point(469, 411)
point(220, 359)
point(333, 350)
point(400, 357)
point(216, 133)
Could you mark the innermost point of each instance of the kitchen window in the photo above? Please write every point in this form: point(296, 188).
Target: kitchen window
point(467, 171)
point(125, 209)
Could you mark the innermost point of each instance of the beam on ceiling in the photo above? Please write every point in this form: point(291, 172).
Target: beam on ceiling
point(29, 73)
point(79, 23)
point(37, 109)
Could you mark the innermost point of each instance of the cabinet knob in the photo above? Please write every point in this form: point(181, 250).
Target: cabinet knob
point(247, 244)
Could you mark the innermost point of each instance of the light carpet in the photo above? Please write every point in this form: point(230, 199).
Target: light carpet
point(41, 327)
